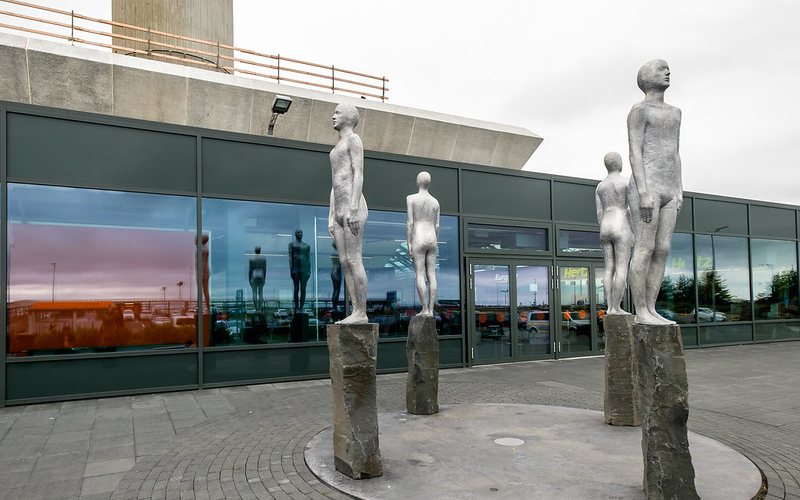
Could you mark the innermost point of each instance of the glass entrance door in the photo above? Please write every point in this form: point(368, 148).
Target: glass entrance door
point(510, 308)
point(582, 306)
point(534, 338)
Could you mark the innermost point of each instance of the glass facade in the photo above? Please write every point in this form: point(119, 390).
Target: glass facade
point(583, 242)
point(676, 300)
point(775, 287)
point(99, 271)
point(504, 238)
point(274, 274)
point(723, 279)
point(113, 272)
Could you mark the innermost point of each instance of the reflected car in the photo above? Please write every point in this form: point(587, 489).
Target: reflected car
point(706, 314)
point(161, 320)
point(667, 314)
point(534, 321)
point(127, 315)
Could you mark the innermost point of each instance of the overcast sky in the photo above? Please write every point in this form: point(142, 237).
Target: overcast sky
point(567, 71)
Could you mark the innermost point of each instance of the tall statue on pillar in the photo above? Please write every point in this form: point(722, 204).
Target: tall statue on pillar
point(423, 240)
point(655, 194)
point(353, 341)
point(257, 276)
point(348, 209)
point(422, 346)
point(300, 267)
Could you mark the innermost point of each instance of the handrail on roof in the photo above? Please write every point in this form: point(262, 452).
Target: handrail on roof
point(210, 55)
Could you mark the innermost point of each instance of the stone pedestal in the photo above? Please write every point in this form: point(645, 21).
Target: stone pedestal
point(353, 354)
point(664, 410)
point(422, 352)
point(299, 331)
point(622, 391)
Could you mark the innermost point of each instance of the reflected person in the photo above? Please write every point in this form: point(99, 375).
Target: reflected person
point(423, 240)
point(655, 193)
point(300, 268)
point(348, 208)
point(616, 237)
point(257, 275)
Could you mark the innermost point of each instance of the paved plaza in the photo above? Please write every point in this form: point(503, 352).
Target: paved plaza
point(248, 442)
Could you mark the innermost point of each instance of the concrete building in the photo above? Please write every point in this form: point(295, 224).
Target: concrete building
point(113, 167)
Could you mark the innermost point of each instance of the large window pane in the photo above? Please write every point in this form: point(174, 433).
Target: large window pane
point(253, 289)
point(572, 241)
point(501, 238)
point(723, 279)
point(676, 297)
point(252, 276)
point(726, 334)
point(93, 270)
point(777, 331)
point(774, 278)
point(392, 298)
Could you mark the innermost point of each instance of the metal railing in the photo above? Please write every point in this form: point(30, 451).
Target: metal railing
point(213, 55)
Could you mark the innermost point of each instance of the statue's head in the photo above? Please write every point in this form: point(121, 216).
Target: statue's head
point(205, 238)
point(298, 234)
point(653, 75)
point(613, 162)
point(423, 180)
point(345, 115)
point(258, 249)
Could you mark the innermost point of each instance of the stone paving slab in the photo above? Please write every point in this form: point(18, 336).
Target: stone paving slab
point(248, 442)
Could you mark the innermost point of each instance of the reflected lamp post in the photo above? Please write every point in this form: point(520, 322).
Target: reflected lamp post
point(164, 293)
point(53, 298)
point(180, 287)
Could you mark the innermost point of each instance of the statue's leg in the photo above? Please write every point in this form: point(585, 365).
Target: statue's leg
point(644, 244)
point(622, 258)
point(296, 293)
point(418, 257)
point(668, 215)
point(608, 276)
point(338, 233)
point(357, 282)
point(430, 269)
point(254, 290)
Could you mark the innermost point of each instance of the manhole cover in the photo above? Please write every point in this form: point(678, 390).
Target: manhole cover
point(509, 442)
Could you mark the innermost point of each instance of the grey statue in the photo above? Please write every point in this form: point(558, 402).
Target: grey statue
point(423, 240)
point(655, 194)
point(616, 237)
point(348, 211)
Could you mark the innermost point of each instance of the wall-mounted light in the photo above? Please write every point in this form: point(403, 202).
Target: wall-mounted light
point(280, 105)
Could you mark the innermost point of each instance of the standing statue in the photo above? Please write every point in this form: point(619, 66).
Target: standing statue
point(300, 268)
point(655, 194)
point(257, 275)
point(611, 200)
point(348, 211)
point(423, 240)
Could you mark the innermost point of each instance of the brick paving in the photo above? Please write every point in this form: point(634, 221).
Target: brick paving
point(248, 442)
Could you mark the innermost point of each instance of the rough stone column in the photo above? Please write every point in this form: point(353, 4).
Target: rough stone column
point(622, 389)
point(664, 410)
point(422, 352)
point(353, 354)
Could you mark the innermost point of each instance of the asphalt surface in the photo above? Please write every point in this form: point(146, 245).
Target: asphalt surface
point(248, 442)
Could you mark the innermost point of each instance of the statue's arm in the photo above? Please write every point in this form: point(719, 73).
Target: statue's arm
point(599, 207)
point(331, 211)
point(437, 221)
point(636, 124)
point(409, 222)
point(356, 152)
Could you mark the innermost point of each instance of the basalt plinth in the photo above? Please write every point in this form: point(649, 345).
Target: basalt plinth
point(621, 398)
point(422, 353)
